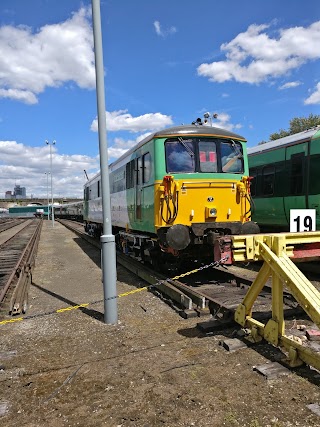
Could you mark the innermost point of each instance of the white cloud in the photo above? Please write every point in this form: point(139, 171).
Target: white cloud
point(290, 85)
point(26, 166)
point(55, 54)
point(314, 98)
point(121, 120)
point(20, 95)
point(121, 145)
point(157, 27)
point(254, 57)
point(161, 32)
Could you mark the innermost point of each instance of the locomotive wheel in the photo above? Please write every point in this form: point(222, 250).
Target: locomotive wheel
point(165, 264)
point(156, 256)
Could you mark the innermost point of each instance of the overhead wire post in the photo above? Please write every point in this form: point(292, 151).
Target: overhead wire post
point(108, 249)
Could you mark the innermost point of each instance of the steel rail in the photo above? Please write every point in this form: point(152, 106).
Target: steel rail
point(9, 223)
point(16, 273)
point(19, 300)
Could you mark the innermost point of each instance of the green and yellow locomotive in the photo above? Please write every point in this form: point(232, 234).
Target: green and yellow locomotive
point(177, 195)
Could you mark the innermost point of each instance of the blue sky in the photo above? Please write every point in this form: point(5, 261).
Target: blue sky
point(254, 63)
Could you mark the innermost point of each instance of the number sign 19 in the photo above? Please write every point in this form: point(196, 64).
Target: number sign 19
point(302, 220)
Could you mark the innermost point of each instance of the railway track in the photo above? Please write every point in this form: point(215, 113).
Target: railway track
point(17, 259)
point(7, 223)
point(207, 290)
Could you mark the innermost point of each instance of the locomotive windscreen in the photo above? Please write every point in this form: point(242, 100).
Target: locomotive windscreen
point(206, 155)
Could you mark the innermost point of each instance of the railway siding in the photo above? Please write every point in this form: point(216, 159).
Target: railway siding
point(7, 223)
point(17, 259)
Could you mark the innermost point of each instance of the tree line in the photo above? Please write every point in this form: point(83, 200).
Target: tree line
point(297, 124)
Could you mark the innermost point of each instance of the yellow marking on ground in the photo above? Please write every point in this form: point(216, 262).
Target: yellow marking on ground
point(74, 307)
point(3, 322)
point(133, 292)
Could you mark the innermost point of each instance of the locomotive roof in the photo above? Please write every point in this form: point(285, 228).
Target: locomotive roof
point(196, 130)
point(282, 142)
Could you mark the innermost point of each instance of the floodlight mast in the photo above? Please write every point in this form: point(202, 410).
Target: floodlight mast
point(108, 249)
point(52, 210)
point(48, 209)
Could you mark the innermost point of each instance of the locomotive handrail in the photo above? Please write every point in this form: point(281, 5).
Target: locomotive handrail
point(274, 250)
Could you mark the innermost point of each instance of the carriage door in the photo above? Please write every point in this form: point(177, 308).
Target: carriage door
point(296, 168)
point(138, 187)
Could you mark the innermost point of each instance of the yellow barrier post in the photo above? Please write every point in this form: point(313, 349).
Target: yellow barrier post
point(274, 251)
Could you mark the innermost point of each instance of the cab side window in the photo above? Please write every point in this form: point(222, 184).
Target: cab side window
point(130, 174)
point(146, 167)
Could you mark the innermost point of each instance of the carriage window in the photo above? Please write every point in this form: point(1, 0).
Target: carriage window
point(86, 193)
point(297, 175)
point(179, 156)
point(231, 157)
point(208, 156)
point(130, 174)
point(268, 174)
point(146, 167)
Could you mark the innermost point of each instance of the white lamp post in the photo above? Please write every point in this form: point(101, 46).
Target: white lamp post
point(48, 210)
point(52, 209)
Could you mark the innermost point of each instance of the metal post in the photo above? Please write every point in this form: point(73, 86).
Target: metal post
point(52, 209)
point(48, 210)
point(108, 249)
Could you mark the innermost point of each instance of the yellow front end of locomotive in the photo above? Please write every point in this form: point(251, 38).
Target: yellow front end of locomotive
point(188, 201)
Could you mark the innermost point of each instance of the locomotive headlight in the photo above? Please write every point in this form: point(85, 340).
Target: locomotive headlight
point(211, 212)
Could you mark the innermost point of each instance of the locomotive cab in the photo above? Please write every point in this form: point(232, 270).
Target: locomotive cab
point(205, 195)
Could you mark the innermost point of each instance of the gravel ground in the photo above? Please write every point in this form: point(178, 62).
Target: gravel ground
point(151, 369)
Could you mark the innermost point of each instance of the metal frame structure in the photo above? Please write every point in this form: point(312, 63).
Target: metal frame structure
point(275, 250)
